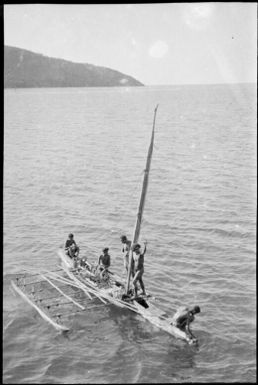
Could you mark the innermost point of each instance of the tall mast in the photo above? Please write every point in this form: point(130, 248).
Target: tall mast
point(137, 227)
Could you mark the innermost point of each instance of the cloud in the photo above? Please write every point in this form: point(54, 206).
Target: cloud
point(158, 49)
point(197, 16)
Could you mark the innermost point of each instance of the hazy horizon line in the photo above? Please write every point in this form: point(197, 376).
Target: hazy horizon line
point(137, 87)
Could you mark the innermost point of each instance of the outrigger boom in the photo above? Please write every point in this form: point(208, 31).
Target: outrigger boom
point(40, 311)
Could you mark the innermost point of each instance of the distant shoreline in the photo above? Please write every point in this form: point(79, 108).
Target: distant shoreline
point(26, 69)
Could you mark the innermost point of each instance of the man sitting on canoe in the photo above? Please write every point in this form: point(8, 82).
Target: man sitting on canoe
point(71, 248)
point(125, 250)
point(104, 262)
point(138, 258)
point(183, 317)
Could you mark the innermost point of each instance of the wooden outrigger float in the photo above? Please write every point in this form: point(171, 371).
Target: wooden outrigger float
point(84, 280)
point(39, 310)
point(32, 295)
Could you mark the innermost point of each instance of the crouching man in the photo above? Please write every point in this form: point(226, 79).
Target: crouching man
point(72, 250)
point(183, 318)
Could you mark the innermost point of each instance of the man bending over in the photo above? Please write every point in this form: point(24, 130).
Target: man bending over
point(183, 318)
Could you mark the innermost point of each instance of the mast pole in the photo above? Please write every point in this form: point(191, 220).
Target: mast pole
point(138, 222)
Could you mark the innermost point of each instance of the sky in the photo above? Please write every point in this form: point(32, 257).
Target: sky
point(158, 44)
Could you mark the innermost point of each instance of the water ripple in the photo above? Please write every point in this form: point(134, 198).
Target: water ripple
point(74, 161)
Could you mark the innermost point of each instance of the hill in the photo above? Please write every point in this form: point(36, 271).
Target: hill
point(26, 69)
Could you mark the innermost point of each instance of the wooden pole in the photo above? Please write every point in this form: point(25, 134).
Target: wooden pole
point(137, 227)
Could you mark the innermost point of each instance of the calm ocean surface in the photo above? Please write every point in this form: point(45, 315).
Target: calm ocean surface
point(73, 162)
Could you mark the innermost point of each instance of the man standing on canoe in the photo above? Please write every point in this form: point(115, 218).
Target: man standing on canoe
point(125, 250)
point(138, 259)
point(71, 248)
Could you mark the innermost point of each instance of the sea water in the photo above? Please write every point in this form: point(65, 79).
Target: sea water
point(73, 162)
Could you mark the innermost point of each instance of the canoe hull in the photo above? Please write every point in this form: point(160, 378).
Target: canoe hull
point(152, 313)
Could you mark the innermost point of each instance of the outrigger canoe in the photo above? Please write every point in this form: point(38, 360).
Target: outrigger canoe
point(111, 290)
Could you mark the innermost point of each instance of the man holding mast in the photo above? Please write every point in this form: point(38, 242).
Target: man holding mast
point(138, 259)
